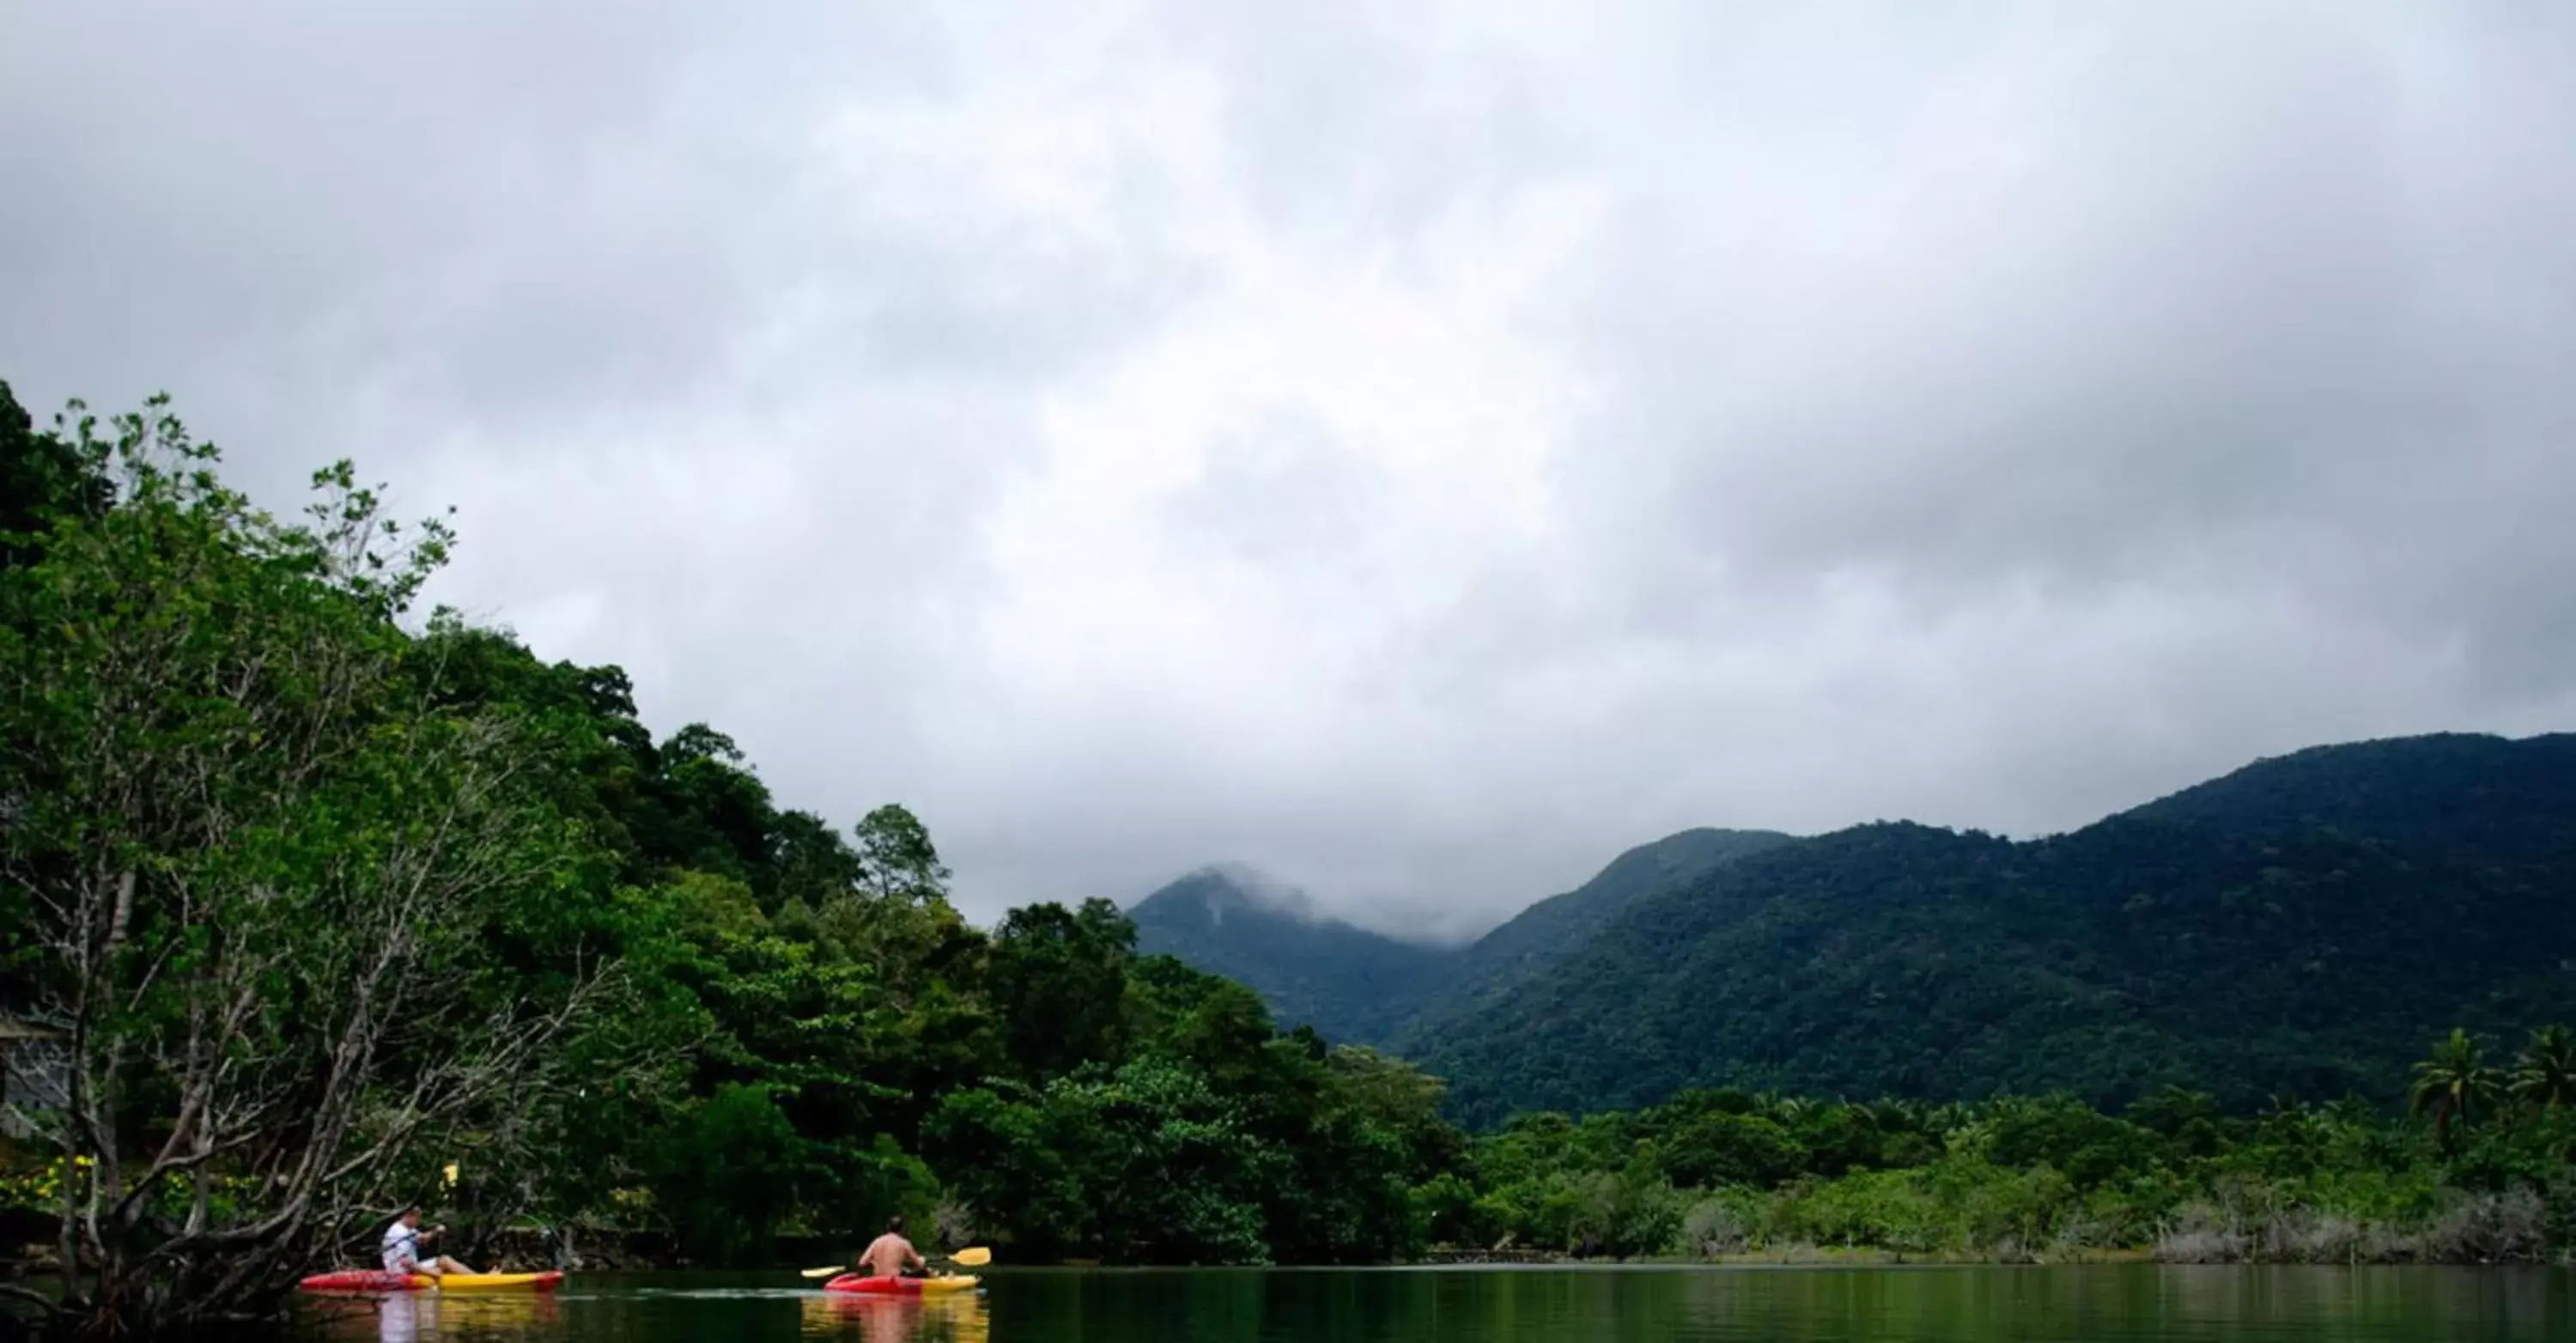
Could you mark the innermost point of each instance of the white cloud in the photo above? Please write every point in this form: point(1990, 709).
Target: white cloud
point(1415, 452)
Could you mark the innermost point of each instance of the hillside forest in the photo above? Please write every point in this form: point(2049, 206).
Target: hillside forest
point(317, 903)
point(2298, 927)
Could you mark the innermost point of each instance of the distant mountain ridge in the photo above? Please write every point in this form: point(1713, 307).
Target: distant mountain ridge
point(1354, 984)
point(1347, 982)
point(2304, 924)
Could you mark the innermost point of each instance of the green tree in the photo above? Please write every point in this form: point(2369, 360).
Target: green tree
point(1170, 1172)
point(815, 864)
point(896, 858)
point(2455, 1085)
point(713, 813)
point(1720, 1148)
point(1018, 1183)
point(727, 1173)
point(2545, 1075)
point(43, 476)
point(266, 879)
point(1058, 980)
point(2060, 1132)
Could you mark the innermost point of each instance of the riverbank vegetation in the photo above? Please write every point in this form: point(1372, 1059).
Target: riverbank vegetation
point(2479, 1171)
point(316, 904)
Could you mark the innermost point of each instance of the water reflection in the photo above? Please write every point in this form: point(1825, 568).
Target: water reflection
point(425, 1317)
point(948, 1319)
point(2112, 1304)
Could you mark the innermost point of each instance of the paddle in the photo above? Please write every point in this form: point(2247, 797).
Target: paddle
point(974, 1257)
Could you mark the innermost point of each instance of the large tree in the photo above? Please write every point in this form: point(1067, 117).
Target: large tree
point(2455, 1085)
point(2545, 1074)
point(259, 874)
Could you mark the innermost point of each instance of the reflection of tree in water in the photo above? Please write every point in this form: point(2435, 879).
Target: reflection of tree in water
point(951, 1319)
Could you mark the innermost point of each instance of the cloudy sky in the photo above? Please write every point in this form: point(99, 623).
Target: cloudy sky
point(1419, 449)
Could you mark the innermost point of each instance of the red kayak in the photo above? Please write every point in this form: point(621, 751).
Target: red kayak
point(866, 1286)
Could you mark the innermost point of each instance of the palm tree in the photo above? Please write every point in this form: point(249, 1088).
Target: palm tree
point(2456, 1083)
point(2545, 1075)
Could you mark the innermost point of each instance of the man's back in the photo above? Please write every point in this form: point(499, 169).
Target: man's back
point(888, 1254)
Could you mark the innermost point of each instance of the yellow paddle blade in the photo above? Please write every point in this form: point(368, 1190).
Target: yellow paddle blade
point(974, 1257)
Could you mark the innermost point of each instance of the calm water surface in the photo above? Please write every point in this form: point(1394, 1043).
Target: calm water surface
point(2121, 1304)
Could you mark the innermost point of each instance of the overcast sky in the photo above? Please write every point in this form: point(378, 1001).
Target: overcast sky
point(1416, 449)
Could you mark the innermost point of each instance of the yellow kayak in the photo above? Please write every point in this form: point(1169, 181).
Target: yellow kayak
point(493, 1282)
point(368, 1280)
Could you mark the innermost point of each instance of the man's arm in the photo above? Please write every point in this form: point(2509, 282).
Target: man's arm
point(917, 1261)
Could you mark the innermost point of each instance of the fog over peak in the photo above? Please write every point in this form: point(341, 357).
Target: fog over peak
point(1422, 452)
point(1253, 888)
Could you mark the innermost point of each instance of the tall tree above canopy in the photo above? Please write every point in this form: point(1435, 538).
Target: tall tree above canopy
point(711, 812)
point(897, 859)
point(814, 863)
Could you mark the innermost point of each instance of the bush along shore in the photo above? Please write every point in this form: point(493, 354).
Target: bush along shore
point(316, 905)
point(2479, 1167)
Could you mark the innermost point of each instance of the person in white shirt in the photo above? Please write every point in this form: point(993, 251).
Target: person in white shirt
point(402, 1248)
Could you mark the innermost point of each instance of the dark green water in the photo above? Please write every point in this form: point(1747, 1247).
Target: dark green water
point(2124, 1304)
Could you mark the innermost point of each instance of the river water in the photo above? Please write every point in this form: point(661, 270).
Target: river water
point(2109, 1304)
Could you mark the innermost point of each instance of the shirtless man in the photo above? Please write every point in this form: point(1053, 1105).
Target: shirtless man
point(888, 1255)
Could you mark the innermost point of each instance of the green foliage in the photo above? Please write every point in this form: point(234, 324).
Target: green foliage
point(1496, 967)
point(896, 860)
point(2455, 1085)
point(1216, 1142)
point(1719, 1174)
point(1719, 1148)
point(43, 476)
point(1358, 986)
point(2287, 929)
point(679, 1003)
point(727, 1172)
point(2544, 1077)
point(285, 914)
point(1059, 979)
point(627, 986)
point(1346, 982)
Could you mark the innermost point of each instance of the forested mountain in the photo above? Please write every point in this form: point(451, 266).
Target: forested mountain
point(1345, 981)
point(1538, 937)
point(1357, 985)
point(2301, 925)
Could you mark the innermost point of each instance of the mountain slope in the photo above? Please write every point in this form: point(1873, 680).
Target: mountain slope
point(2455, 793)
point(1497, 964)
point(2305, 924)
point(1345, 981)
point(1356, 985)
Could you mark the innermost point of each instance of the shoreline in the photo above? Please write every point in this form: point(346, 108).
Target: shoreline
point(1814, 1256)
